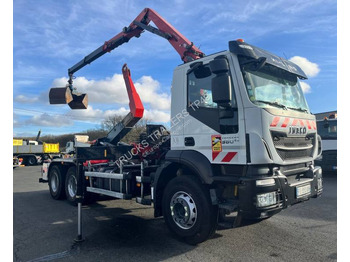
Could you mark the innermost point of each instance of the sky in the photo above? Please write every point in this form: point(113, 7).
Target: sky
point(51, 36)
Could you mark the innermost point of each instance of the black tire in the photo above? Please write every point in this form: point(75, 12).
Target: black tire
point(185, 193)
point(31, 161)
point(71, 185)
point(71, 188)
point(56, 183)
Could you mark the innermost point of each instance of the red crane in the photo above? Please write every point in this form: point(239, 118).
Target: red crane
point(186, 49)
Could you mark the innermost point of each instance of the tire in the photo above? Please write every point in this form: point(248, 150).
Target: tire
point(31, 161)
point(56, 183)
point(71, 182)
point(71, 185)
point(188, 211)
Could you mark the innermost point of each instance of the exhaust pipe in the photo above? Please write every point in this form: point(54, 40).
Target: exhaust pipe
point(63, 95)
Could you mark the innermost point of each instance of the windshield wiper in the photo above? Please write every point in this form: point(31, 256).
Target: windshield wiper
point(276, 104)
point(299, 109)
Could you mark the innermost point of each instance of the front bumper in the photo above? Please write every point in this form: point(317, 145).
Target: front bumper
point(309, 185)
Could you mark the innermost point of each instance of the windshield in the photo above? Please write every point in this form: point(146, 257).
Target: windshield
point(327, 129)
point(274, 87)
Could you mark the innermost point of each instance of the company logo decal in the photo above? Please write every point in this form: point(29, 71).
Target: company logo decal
point(293, 130)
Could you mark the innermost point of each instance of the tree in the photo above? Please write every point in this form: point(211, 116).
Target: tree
point(133, 136)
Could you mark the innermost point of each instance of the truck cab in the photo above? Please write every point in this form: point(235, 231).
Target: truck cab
point(242, 112)
point(79, 141)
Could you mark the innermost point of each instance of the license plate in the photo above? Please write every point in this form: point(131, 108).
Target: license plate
point(303, 190)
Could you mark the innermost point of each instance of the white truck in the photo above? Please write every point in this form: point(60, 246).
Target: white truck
point(327, 129)
point(242, 139)
point(33, 152)
point(79, 141)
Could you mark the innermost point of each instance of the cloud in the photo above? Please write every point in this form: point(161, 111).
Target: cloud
point(112, 90)
point(25, 99)
point(311, 69)
point(49, 120)
point(305, 87)
point(97, 115)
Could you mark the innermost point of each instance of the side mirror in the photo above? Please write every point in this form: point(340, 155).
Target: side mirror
point(221, 89)
point(221, 83)
point(255, 64)
point(219, 65)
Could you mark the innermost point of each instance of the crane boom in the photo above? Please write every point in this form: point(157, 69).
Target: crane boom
point(185, 48)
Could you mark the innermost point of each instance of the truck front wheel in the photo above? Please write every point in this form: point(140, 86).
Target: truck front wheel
point(188, 211)
point(56, 182)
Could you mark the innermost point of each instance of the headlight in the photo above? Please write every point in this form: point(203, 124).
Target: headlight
point(267, 199)
point(265, 182)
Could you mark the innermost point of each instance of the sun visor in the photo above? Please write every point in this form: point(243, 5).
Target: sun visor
point(244, 49)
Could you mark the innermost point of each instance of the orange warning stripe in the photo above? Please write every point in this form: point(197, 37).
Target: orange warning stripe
point(276, 120)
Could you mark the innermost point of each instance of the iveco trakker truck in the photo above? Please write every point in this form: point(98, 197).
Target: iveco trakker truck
point(242, 139)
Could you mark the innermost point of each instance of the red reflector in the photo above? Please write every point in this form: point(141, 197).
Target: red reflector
point(240, 40)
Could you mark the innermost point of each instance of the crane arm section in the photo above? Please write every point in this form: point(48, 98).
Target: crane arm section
point(185, 48)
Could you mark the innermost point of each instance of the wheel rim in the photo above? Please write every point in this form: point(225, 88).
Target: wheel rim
point(54, 181)
point(72, 186)
point(183, 210)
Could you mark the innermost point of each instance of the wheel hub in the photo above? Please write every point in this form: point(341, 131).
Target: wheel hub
point(54, 182)
point(72, 186)
point(183, 210)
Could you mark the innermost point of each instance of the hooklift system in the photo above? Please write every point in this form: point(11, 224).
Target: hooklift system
point(187, 51)
point(237, 144)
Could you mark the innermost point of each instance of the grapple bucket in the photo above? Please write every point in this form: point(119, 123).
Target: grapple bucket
point(63, 95)
point(60, 95)
point(80, 101)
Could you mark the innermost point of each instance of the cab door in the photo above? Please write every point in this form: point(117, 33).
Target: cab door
point(214, 131)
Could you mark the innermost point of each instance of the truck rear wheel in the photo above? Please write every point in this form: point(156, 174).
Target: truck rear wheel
point(188, 211)
point(71, 185)
point(31, 160)
point(56, 182)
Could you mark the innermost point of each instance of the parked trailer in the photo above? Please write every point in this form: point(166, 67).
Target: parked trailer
point(32, 152)
point(242, 139)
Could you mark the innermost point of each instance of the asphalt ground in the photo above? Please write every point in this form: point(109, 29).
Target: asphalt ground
point(122, 230)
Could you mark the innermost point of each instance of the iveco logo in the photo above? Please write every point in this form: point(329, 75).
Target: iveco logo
point(293, 130)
